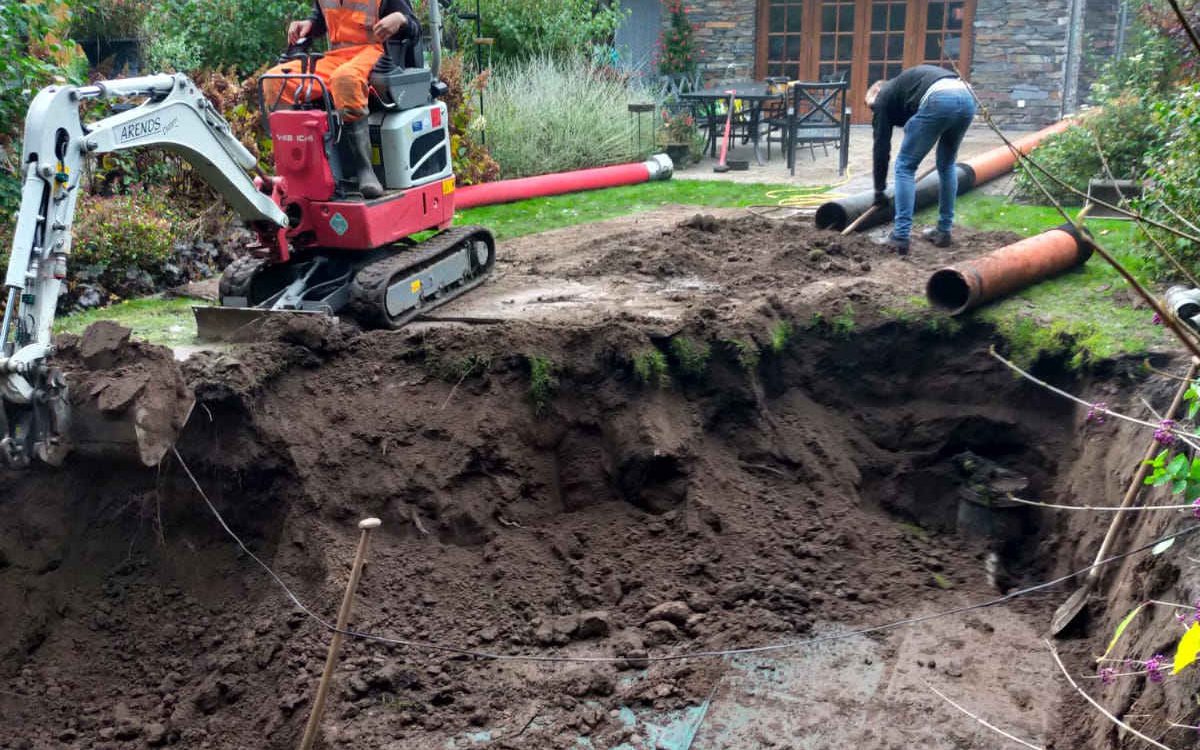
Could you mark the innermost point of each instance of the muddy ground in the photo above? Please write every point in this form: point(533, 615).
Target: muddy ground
point(649, 439)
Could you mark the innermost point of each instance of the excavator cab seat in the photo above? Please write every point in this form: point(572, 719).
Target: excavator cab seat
point(399, 81)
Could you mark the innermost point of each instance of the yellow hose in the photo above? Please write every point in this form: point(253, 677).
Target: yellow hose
point(800, 198)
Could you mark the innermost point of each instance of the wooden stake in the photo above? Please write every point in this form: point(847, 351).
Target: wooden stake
point(312, 729)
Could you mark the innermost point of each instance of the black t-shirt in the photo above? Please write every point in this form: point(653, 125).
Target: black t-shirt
point(898, 101)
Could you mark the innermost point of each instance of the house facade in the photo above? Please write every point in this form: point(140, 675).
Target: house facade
point(1031, 61)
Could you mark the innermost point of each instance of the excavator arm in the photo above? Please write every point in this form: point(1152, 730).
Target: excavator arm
point(174, 116)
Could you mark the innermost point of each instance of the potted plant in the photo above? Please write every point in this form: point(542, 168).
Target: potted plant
point(110, 31)
point(679, 133)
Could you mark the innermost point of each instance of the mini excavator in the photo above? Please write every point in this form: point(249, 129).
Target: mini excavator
point(320, 247)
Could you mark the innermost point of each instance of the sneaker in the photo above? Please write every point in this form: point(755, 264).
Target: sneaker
point(897, 245)
point(937, 237)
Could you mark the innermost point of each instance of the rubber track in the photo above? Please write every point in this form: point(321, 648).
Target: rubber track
point(238, 276)
point(368, 289)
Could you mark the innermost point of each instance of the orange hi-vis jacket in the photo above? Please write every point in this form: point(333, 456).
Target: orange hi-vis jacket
point(353, 52)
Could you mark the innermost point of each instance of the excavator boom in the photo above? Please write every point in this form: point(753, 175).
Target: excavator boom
point(175, 116)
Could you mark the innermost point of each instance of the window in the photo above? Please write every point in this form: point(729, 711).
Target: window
point(863, 40)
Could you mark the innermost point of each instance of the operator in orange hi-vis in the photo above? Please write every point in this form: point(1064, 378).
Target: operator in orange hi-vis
point(357, 30)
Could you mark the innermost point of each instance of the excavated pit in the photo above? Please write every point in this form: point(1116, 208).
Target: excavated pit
point(538, 495)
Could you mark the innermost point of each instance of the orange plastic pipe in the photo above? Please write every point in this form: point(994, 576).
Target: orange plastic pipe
point(991, 164)
point(967, 285)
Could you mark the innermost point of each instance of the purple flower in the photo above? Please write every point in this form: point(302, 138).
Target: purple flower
point(1164, 434)
point(1096, 412)
point(1156, 320)
point(1154, 668)
point(1196, 513)
point(1108, 675)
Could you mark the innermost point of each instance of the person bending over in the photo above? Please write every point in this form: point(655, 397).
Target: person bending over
point(357, 30)
point(933, 105)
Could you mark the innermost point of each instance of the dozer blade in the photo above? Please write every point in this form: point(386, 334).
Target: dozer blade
point(235, 323)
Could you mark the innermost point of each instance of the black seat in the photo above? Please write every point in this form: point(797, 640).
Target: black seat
point(398, 79)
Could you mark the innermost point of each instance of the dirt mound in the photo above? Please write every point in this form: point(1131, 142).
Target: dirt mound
point(615, 488)
point(754, 251)
point(603, 514)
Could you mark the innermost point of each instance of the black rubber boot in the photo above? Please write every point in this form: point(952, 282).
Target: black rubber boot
point(937, 237)
point(896, 245)
point(358, 134)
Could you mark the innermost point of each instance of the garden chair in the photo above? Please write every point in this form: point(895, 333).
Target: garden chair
point(816, 114)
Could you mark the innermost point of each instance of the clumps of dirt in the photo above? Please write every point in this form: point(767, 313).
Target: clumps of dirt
point(751, 251)
point(128, 398)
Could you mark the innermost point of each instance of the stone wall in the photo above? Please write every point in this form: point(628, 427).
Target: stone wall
point(726, 35)
point(1018, 61)
point(1019, 57)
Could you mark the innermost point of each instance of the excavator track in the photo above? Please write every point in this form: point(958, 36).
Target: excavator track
point(392, 291)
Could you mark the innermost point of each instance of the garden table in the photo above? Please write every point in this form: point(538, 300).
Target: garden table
point(754, 93)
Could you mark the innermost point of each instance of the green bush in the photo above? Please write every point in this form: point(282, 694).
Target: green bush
point(473, 163)
point(1127, 92)
point(532, 28)
point(1123, 129)
point(548, 114)
point(183, 35)
point(30, 57)
point(121, 246)
point(1174, 174)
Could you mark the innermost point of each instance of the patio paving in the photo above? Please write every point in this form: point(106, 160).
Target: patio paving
point(822, 170)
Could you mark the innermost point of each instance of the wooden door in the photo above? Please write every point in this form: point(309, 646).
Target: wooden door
point(868, 40)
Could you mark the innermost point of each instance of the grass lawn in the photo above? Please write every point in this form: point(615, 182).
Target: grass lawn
point(162, 320)
point(1085, 313)
point(540, 214)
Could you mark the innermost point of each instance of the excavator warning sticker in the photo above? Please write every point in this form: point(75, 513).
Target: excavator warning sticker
point(415, 287)
point(339, 224)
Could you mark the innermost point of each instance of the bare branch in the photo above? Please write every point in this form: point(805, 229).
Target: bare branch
point(1187, 26)
point(1109, 508)
point(1186, 440)
point(1072, 397)
point(992, 727)
point(1125, 201)
point(1086, 239)
point(1101, 709)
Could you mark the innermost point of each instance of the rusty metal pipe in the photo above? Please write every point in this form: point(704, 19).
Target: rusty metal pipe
point(964, 286)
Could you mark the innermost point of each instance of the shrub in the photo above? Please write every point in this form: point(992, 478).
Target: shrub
point(473, 163)
point(1174, 173)
point(184, 35)
point(677, 50)
point(1123, 129)
point(31, 56)
point(120, 247)
point(534, 28)
point(1127, 91)
point(549, 114)
point(109, 19)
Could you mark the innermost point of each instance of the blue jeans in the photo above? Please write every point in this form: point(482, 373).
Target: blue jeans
point(944, 118)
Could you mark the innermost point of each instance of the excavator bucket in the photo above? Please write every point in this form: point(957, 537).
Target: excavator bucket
point(235, 323)
point(128, 401)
